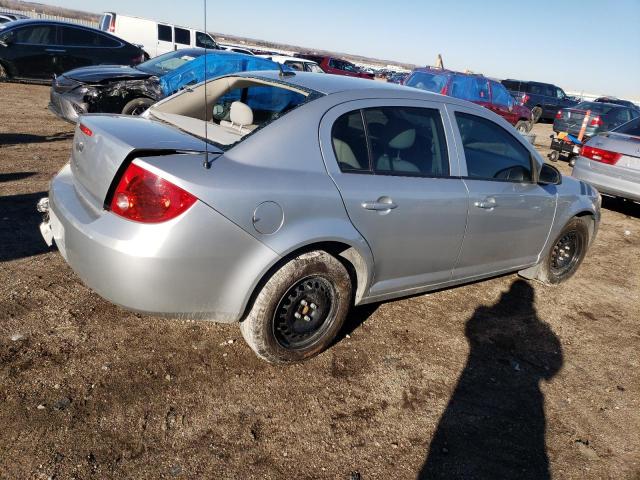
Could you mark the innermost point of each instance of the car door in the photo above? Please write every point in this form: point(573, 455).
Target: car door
point(182, 37)
point(33, 51)
point(80, 48)
point(510, 215)
point(391, 163)
point(165, 39)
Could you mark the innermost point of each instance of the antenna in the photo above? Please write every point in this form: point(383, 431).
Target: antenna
point(205, 163)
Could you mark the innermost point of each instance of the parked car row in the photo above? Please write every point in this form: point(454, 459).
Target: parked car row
point(474, 88)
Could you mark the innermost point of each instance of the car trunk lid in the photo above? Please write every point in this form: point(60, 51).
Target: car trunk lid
point(626, 145)
point(102, 143)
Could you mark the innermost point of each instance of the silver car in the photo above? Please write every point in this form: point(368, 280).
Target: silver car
point(285, 199)
point(611, 161)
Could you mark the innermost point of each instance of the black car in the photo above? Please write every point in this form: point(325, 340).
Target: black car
point(543, 99)
point(36, 50)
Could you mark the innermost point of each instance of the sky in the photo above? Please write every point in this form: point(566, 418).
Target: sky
point(589, 46)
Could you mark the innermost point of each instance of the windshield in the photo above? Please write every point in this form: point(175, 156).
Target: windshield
point(168, 62)
point(427, 81)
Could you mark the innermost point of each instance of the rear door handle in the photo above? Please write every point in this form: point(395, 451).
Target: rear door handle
point(383, 204)
point(488, 203)
point(55, 50)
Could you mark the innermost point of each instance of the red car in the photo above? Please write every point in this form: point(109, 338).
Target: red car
point(474, 88)
point(337, 66)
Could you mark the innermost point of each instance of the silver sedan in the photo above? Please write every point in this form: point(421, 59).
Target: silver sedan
point(611, 161)
point(282, 200)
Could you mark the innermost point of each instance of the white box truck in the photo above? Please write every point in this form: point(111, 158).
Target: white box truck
point(155, 38)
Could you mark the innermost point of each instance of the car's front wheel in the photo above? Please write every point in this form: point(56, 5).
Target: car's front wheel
point(523, 126)
point(137, 106)
point(300, 309)
point(567, 253)
point(536, 113)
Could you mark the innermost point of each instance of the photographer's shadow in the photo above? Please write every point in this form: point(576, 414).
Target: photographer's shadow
point(494, 424)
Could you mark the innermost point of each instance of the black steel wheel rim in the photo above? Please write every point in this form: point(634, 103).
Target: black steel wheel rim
point(304, 313)
point(566, 253)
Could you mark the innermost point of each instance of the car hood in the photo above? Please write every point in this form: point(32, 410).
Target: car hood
point(101, 73)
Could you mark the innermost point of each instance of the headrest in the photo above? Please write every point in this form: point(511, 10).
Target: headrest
point(403, 139)
point(241, 114)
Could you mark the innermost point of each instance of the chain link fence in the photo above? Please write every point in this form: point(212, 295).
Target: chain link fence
point(45, 16)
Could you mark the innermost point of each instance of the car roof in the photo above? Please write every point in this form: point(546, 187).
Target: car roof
point(39, 21)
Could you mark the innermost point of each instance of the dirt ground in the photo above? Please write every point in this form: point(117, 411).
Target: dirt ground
point(499, 379)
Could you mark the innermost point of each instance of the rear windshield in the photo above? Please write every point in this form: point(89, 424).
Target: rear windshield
point(593, 106)
point(432, 82)
point(630, 128)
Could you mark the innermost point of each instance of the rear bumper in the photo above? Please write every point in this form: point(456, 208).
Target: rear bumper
point(199, 265)
point(606, 179)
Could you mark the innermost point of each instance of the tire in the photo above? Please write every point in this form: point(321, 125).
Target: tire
point(554, 155)
point(273, 329)
point(137, 106)
point(523, 126)
point(3, 74)
point(556, 269)
point(536, 113)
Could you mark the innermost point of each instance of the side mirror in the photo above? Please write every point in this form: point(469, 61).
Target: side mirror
point(549, 175)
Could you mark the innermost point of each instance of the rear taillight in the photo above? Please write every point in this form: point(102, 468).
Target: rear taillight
point(596, 121)
point(599, 155)
point(559, 114)
point(86, 130)
point(144, 197)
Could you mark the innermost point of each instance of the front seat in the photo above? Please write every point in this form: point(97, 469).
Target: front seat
point(402, 141)
point(241, 117)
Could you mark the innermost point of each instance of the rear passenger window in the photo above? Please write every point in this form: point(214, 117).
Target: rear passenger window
point(165, 33)
point(350, 143)
point(183, 36)
point(79, 37)
point(407, 141)
point(491, 152)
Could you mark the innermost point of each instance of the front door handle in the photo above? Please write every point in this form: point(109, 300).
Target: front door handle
point(55, 50)
point(488, 203)
point(383, 204)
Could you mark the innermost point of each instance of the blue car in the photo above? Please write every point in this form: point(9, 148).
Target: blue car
point(131, 90)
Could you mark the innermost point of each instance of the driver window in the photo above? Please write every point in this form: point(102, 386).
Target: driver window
point(491, 152)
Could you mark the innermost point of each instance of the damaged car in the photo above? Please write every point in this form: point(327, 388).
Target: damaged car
point(282, 200)
point(131, 90)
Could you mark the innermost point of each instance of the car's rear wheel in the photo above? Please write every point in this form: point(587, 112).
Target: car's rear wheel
point(554, 155)
point(137, 106)
point(567, 253)
point(3, 73)
point(300, 309)
point(523, 126)
point(536, 113)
